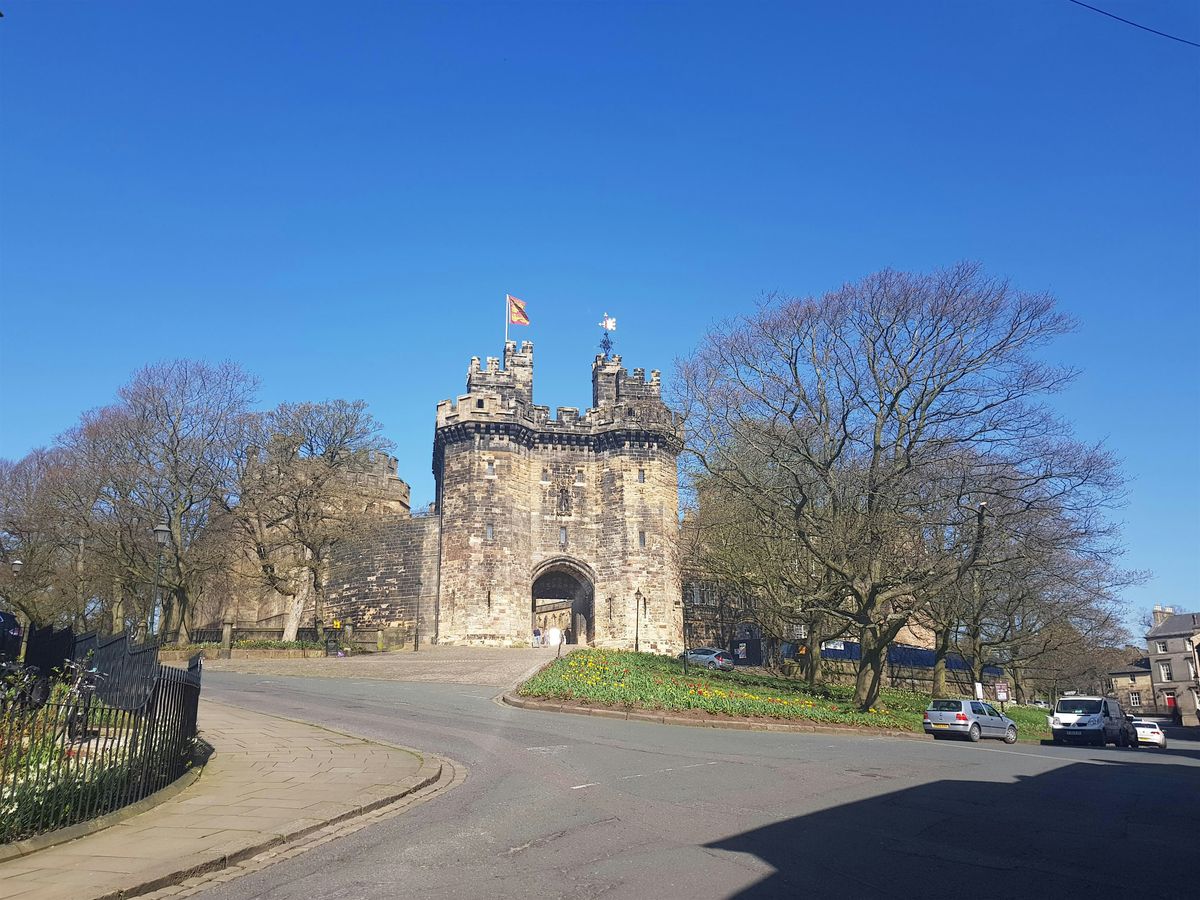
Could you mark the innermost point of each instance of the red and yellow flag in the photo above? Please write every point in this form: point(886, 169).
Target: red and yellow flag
point(516, 311)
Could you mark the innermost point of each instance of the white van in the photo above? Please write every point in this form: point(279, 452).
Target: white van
point(1090, 720)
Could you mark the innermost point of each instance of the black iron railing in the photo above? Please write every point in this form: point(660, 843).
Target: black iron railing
point(77, 756)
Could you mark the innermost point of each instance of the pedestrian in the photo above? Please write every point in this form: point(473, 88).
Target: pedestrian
point(537, 636)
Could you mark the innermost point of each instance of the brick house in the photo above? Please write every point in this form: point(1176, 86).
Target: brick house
point(1133, 687)
point(1174, 665)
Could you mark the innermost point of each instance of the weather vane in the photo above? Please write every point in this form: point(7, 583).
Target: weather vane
point(609, 324)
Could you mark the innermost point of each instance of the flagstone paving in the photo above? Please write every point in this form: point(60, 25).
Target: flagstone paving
point(499, 666)
point(270, 781)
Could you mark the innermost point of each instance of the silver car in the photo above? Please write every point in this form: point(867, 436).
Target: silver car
point(710, 658)
point(970, 719)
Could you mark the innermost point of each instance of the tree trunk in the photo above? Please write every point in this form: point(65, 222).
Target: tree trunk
point(294, 611)
point(941, 649)
point(812, 657)
point(870, 672)
point(118, 606)
point(975, 660)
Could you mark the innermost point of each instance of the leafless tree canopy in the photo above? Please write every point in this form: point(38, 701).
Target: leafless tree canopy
point(181, 446)
point(887, 442)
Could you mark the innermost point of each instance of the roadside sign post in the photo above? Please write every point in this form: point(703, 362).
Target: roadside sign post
point(1001, 688)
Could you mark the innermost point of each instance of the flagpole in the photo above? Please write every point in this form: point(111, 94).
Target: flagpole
point(506, 321)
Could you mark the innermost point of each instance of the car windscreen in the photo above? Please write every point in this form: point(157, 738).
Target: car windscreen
point(946, 705)
point(1148, 725)
point(1078, 707)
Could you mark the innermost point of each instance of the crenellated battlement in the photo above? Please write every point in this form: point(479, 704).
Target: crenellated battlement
point(513, 382)
point(613, 385)
point(505, 395)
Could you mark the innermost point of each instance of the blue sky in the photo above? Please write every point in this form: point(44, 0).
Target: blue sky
point(338, 196)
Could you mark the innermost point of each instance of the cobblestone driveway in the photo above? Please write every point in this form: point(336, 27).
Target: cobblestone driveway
point(446, 665)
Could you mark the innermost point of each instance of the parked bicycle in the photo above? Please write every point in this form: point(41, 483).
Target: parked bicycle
point(24, 688)
point(78, 699)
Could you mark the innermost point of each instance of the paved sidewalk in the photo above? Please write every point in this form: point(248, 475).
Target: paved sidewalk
point(498, 666)
point(270, 781)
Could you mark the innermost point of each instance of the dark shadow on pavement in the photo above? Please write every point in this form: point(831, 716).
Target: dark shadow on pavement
point(1066, 833)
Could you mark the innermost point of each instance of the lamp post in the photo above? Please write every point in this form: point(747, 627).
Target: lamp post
point(162, 534)
point(638, 600)
point(17, 565)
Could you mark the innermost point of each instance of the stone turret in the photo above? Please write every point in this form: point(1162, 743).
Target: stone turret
point(562, 521)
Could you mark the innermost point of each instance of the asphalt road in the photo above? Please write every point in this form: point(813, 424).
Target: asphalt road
point(569, 806)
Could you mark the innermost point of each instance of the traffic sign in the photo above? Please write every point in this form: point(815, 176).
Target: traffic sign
point(1001, 688)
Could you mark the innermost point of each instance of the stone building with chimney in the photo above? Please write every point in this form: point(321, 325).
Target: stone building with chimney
point(565, 521)
point(1172, 643)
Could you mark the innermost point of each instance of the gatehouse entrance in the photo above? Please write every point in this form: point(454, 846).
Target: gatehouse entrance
point(563, 599)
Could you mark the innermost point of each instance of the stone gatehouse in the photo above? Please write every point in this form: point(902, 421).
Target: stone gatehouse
point(567, 521)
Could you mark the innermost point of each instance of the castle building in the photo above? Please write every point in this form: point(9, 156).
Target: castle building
point(568, 521)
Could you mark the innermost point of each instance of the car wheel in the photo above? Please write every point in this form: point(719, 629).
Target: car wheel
point(1057, 739)
point(1122, 740)
point(711, 665)
point(973, 734)
point(1010, 736)
point(1100, 741)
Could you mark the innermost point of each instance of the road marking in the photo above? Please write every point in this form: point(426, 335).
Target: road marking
point(641, 774)
point(1049, 756)
point(548, 751)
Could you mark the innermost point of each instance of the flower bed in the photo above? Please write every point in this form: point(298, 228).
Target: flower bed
point(646, 681)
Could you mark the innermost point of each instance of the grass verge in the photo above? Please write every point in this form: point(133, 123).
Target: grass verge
point(647, 681)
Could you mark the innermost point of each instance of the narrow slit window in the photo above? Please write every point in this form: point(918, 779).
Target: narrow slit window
point(579, 476)
point(489, 531)
point(642, 539)
point(491, 467)
point(562, 536)
point(479, 404)
point(641, 476)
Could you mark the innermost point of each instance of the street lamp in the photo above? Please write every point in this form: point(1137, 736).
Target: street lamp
point(637, 620)
point(162, 534)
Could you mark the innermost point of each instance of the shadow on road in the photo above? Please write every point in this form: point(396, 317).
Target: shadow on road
point(1066, 831)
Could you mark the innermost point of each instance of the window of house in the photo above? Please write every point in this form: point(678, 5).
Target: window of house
point(1133, 679)
point(642, 539)
point(1164, 672)
point(579, 476)
point(641, 476)
point(545, 476)
point(489, 531)
point(1135, 698)
point(562, 536)
point(1169, 698)
point(1161, 646)
point(491, 467)
point(479, 404)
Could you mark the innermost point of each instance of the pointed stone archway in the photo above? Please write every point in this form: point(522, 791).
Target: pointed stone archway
point(563, 596)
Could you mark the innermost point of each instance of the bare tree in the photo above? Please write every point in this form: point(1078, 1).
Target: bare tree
point(165, 453)
point(298, 496)
point(876, 424)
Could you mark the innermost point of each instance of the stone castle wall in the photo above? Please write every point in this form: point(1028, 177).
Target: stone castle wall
point(385, 578)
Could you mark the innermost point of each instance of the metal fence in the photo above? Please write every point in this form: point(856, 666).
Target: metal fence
point(79, 756)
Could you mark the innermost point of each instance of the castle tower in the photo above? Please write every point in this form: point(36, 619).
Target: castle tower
point(568, 521)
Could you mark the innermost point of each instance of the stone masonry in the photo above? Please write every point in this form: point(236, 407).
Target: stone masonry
point(568, 520)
